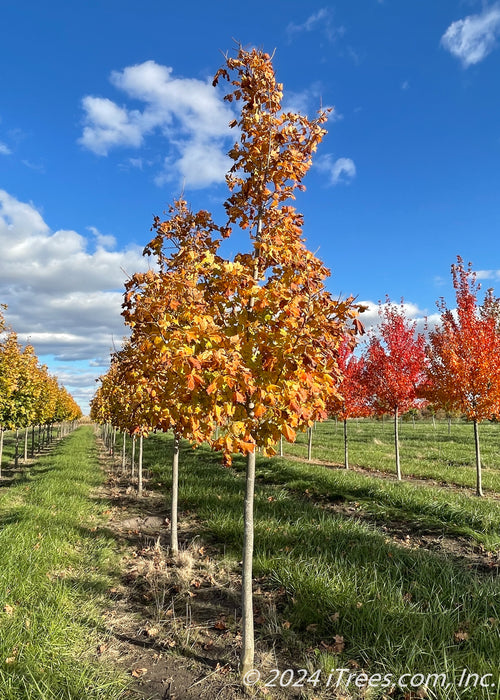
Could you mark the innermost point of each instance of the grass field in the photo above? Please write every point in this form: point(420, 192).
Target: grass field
point(397, 605)
point(53, 572)
point(353, 569)
point(428, 450)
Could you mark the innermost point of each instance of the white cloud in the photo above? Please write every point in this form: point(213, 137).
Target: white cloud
point(188, 113)
point(371, 317)
point(62, 298)
point(103, 241)
point(322, 20)
point(4, 149)
point(108, 125)
point(473, 38)
point(308, 102)
point(487, 274)
point(340, 170)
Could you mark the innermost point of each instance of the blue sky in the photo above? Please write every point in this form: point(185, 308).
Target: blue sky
point(107, 113)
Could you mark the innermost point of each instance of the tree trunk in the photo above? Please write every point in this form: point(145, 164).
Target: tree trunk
point(281, 445)
point(26, 444)
point(133, 456)
point(479, 484)
point(346, 446)
point(16, 453)
point(32, 441)
point(309, 443)
point(139, 469)
point(247, 625)
point(124, 450)
point(396, 443)
point(174, 537)
point(1, 450)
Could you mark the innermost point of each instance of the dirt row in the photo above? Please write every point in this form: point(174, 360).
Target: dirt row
point(173, 625)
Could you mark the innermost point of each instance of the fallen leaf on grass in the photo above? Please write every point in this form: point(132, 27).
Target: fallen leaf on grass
point(220, 625)
point(8, 609)
point(223, 670)
point(461, 636)
point(337, 647)
point(138, 672)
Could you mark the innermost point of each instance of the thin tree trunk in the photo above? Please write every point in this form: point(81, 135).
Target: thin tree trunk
point(16, 453)
point(26, 444)
point(133, 455)
point(247, 625)
point(309, 443)
point(174, 537)
point(479, 484)
point(124, 452)
point(281, 445)
point(346, 446)
point(449, 426)
point(33, 441)
point(1, 450)
point(396, 443)
point(139, 469)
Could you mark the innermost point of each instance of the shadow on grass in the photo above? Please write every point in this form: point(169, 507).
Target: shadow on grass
point(395, 606)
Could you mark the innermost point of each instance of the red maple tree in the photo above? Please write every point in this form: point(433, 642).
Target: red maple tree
point(352, 401)
point(394, 367)
point(464, 356)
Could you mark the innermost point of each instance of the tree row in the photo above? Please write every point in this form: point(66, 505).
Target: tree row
point(29, 396)
point(242, 352)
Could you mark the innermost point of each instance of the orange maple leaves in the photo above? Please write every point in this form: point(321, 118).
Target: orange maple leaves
point(246, 345)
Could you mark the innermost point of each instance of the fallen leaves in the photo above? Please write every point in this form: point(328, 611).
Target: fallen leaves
point(139, 672)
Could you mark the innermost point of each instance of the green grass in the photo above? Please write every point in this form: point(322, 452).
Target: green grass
point(426, 449)
point(398, 608)
point(54, 572)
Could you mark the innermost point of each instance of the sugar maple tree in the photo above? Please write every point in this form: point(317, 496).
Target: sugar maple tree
point(28, 394)
point(248, 345)
point(175, 315)
point(122, 400)
point(394, 370)
point(285, 326)
point(464, 356)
